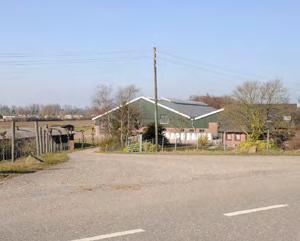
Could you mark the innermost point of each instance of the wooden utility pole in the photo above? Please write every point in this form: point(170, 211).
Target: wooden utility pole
point(13, 140)
point(155, 98)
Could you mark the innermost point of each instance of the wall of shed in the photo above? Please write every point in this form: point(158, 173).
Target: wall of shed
point(204, 122)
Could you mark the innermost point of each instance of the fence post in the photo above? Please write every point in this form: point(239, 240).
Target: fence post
point(60, 141)
point(175, 141)
point(141, 142)
point(37, 138)
point(82, 135)
point(46, 141)
point(224, 140)
point(41, 140)
point(13, 141)
point(51, 142)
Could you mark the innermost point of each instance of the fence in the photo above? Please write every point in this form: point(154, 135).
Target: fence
point(19, 142)
point(179, 141)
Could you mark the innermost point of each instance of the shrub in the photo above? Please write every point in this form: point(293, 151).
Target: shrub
point(203, 141)
point(108, 144)
point(149, 134)
point(260, 145)
point(132, 147)
point(149, 147)
point(135, 147)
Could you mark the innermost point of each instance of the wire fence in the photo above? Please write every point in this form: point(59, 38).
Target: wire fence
point(18, 142)
point(176, 142)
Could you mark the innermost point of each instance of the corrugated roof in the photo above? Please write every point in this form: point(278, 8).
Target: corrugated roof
point(190, 108)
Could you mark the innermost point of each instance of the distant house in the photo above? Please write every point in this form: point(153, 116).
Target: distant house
point(184, 121)
point(233, 135)
point(73, 117)
point(9, 117)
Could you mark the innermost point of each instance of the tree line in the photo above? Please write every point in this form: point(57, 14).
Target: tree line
point(42, 111)
point(256, 108)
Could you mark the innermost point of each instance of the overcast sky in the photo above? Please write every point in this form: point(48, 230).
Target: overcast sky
point(58, 51)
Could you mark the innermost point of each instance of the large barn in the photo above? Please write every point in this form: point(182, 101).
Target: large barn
point(184, 121)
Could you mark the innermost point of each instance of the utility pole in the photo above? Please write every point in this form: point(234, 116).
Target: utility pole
point(155, 98)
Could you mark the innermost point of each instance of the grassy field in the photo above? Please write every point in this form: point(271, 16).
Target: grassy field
point(79, 124)
point(85, 125)
point(30, 164)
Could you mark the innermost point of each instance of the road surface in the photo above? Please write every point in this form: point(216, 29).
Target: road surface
point(155, 197)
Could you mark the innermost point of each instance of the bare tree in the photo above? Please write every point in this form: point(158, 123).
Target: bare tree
point(126, 114)
point(103, 102)
point(50, 111)
point(217, 102)
point(259, 106)
point(103, 98)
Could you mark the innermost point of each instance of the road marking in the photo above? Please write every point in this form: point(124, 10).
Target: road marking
point(111, 235)
point(255, 210)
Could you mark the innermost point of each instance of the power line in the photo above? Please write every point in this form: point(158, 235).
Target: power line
point(214, 66)
point(212, 71)
point(73, 61)
point(72, 53)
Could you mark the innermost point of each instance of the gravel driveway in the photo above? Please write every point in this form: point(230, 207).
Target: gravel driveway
point(100, 193)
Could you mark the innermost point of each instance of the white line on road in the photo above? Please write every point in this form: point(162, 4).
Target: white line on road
point(111, 235)
point(255, 210)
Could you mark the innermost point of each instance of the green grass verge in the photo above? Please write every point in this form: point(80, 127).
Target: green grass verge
point(30, 164)
point(214, 152)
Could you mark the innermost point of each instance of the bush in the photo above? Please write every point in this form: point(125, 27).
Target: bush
point(149, 147)
point(149, 134)
point(259, 144)
point(203, 141)
point(132, 147)
point(109, 144)
point(135, 147)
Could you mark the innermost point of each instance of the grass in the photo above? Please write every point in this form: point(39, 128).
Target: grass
point(30, 164)
point(193, 151)
point(232, 152)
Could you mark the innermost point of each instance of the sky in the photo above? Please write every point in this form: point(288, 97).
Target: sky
point(59, 51)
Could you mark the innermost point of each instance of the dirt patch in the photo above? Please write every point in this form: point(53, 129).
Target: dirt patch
point(112, 187)
point(88, 189)
point(125, 187)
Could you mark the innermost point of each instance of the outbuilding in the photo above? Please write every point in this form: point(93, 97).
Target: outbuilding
point(184, 121)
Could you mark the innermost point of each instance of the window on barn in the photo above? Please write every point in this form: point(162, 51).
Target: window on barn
point(164, 119)
point(237, 137)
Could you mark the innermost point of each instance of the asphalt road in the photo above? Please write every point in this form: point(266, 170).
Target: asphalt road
point(155, 197)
